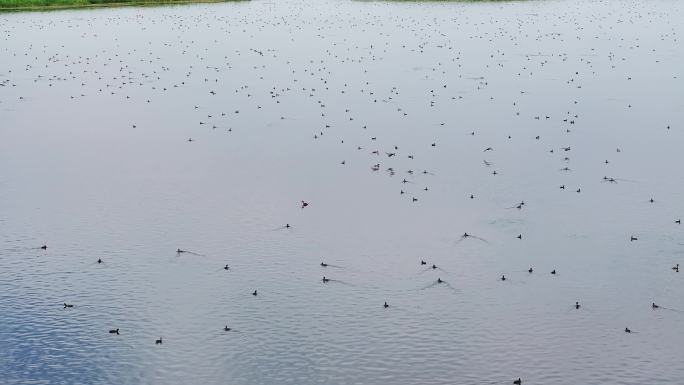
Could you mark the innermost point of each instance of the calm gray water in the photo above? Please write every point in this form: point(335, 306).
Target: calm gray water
point(287, 101)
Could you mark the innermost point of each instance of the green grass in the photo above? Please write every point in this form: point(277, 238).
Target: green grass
point(30, 5)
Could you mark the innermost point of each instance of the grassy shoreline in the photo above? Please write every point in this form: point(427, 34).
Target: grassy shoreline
point(47, 5)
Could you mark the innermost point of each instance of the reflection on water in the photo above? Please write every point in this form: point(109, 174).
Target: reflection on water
point(403, 126)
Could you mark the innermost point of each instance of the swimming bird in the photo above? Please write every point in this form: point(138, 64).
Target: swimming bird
point(633, 238)
point(99, 260)
point(577, 305)
point(114, 331)
point(304, 204)
point(517, 382)
point(67, 305)
point(44, 247)
point(466, 235)
point(553, 272)
point(254, 293)
point(530, 270)
point(423, 262)
point(385, 305)
point(325, 280)
point(676, 268)
point(627, 330)
point(226, 328)
point(439, 280)
point(158, 342)
point(503, 277)
point(226, 267)
point(654, 306)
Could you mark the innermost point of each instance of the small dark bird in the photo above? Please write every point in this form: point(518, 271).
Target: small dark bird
point(517, 382)
point(633, 238)
point(676, 268)
point(434, 267)
point(304, 204)
point(226, 267)
point(44, 247)
point(530, 270)
point(114, 331)
point(678, 221)
point(324, 264)
point(439, 280)
point(158, 342)
point(385, 305)
point(654, 306)
point(503, 277)
point(577, 305)
point(226, 328)
point(325, 280)
point(553, 272)
point(67, 305)
point(627, 330)
point(254, 293)
point(423, 262)
point(287, 226)
point(99, 260)
point(519, 236)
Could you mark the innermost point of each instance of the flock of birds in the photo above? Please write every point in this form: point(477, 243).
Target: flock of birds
point(130, 74)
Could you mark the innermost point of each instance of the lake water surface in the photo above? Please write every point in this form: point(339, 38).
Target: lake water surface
point(287, 101)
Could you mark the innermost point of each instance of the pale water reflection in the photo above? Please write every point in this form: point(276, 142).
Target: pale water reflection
point(403, 126)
